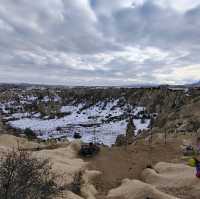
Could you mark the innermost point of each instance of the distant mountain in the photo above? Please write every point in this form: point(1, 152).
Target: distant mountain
point(196, 84)
point(141, 85)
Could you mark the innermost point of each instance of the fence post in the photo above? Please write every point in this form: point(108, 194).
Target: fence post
point(165, 136)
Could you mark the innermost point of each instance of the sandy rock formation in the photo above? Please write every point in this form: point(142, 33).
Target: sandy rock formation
point(68, 195)
point(65, 161)
point(135, 189)
point(165, 181)
point(10, 141)
point(88, 190)
point(71, 195)
point(176, 179)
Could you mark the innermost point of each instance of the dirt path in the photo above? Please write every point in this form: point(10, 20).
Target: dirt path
point(119, 163)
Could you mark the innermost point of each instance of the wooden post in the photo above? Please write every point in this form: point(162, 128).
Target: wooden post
point(165, 136)
point(150, 149)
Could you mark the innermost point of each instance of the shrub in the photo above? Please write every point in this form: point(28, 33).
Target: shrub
point(29, 134)
point(24, 176)
point(120, 140)
point(75, 186)
point(143, 120)
point(59, 129)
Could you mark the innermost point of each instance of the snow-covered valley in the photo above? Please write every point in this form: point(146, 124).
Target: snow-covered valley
point(100, 121)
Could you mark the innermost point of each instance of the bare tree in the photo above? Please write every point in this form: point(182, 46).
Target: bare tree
point(24, 176)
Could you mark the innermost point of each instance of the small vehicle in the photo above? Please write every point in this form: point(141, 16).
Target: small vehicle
point(88, 150)
point(77, 136)
point(188, 151)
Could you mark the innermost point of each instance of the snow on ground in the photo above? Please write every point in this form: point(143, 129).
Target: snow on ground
point(3, 108)
point(141, 126)
point(70, 108)
point(138, 109)
point(82, 122)
point(20, 115)
point(48, 99)
point(32, 98)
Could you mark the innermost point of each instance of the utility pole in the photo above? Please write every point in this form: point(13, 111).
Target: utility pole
point(165, 135)
point(94, 139)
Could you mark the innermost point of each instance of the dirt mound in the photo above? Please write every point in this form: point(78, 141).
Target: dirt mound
point(175, 179)
point(88, 190)
point(11, 141)
point(65, 161)
point(68, 195)
point(164, 181)
point(135, 189)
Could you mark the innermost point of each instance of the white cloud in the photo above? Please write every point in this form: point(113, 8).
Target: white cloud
point(80, 9)
point(179, 5)
point(5, 26)
point(99, 41)
point(185, 74)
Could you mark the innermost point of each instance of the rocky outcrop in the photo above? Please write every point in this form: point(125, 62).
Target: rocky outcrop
point(64, 161)
point(175, 179)
point(135, 189)
point(164, 181)
point(88, 190)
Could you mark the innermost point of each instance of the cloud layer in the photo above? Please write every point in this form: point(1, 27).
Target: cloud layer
point(99, 42)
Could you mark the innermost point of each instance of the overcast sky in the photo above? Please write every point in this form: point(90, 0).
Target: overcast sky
point(100, 42)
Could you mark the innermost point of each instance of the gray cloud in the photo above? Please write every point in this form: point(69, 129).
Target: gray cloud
point(99, 42)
